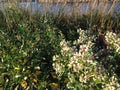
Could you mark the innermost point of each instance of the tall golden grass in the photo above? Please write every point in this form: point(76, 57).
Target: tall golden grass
point(90, 9)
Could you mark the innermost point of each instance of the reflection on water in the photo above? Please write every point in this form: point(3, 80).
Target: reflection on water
point(67, 8)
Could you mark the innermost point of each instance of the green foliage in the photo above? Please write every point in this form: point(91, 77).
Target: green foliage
point(32, 55)
point(27, 45)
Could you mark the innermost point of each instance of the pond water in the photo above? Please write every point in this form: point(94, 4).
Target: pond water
point(67, 8)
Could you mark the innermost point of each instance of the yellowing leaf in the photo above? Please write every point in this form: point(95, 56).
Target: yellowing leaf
point(54, 76)
point(24, 84)
point(54, 86)
point(16, 68)
point(34, 80)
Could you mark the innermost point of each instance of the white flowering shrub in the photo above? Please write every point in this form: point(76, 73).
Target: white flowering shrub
point(77, 68)
point(113, 40)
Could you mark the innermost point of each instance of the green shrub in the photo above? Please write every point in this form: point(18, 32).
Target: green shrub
point(31, 51)
point(27, 45)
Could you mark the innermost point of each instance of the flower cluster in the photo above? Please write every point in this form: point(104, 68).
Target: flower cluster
point(60, 60)
point(113, 40)
point(79, 66)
